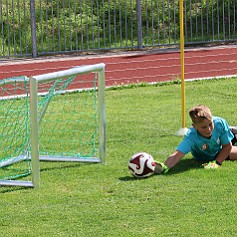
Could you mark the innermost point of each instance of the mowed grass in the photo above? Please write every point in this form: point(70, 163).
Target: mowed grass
point(95, 200)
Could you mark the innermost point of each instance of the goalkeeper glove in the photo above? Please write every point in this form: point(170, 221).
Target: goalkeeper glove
point(212, 165)
point(160, 168)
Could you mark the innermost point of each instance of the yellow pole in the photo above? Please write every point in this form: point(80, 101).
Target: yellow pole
point(181, 15)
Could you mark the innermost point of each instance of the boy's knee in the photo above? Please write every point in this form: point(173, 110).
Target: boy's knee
point(233, 153)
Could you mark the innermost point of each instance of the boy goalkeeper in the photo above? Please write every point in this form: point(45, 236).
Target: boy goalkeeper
point(210, 141)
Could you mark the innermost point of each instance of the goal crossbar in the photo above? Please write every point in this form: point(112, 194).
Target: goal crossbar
point(72, 72)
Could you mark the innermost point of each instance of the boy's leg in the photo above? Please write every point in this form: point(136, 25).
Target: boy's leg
point(233, 153)
point(234, 131)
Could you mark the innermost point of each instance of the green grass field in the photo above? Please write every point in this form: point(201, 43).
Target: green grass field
point(95, 200)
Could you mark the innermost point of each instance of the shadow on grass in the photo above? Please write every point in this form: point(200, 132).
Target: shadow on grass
point(8, 189)
point(183, 166)
point(60, 165)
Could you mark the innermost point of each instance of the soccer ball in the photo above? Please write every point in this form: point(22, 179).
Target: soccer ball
point(141, 165)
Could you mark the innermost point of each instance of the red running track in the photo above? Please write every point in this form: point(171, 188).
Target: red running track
point(144, 66)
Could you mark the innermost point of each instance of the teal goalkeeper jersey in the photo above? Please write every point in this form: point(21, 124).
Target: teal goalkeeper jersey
point(206, 149)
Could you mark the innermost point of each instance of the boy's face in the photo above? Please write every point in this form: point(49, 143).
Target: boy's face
point(205, 128)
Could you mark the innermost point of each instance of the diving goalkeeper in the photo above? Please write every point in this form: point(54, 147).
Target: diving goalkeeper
point(210, 141)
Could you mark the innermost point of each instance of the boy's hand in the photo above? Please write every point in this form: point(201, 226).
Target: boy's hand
point(211, 165)
point(160, 168)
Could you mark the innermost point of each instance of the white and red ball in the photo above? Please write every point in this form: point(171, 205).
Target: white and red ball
point(141, 165)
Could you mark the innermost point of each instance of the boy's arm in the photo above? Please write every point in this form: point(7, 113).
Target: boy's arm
point(174, 158)
point(224, 152)
point(171, 161)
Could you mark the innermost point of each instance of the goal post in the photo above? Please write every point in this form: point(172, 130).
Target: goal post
point(68, 112)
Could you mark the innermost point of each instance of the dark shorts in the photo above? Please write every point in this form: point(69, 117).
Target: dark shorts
point(234, 141)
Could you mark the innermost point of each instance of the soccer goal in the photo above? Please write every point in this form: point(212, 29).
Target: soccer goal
point(67, 118)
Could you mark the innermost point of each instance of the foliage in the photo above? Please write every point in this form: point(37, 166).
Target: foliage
point(88, 25)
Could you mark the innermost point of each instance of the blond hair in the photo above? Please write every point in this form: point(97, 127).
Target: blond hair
point(199, 113)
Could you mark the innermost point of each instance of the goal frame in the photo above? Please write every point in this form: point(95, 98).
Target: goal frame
point(35, 151)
